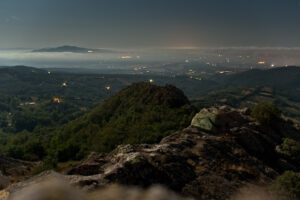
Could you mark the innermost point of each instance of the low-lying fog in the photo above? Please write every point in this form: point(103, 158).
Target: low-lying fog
point(120, 59)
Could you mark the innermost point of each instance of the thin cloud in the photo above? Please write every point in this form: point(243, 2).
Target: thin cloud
point(11, 19)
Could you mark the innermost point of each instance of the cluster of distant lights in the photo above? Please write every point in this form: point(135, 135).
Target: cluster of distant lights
point(108, 87)
point(130, 57)
point(64, 84)
point(264, 63)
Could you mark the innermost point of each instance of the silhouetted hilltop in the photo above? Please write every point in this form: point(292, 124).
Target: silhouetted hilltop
point(146, 93)
point(73, 49)
point(281, 77)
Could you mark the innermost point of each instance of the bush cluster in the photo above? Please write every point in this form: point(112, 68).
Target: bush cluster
point(266, 113)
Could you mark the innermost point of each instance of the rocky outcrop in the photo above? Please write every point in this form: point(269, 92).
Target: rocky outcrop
point(223, 150)
point(12, 169)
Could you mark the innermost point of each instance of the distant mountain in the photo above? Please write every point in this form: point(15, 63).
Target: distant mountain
point(73, 49)
point(281, 77)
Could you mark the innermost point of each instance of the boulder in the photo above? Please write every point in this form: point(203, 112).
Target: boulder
point(205, 119)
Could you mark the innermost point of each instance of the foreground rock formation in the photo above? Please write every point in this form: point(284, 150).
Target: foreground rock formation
point(223, 150)
point(12, 169)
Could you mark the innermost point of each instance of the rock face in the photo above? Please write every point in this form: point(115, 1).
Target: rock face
point(221, 151)
point(11, 169)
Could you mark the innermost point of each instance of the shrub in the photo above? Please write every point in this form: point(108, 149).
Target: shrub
point(49, 163)
point(291, 149)
point(266, 113)
point(288, 185)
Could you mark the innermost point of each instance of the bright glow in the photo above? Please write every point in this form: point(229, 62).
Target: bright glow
point(272, 65)
point(107, 87)
point(261, 62)
point(126, 57)
point(64, 84)
point(151, 80)
point(90, 51)
point(49, 72)
point(56, 100)
point(183, 48)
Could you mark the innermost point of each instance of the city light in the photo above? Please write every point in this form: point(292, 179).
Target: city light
point(56, 100)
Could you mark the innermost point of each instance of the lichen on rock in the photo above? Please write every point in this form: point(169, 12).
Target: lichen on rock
point(205, 119)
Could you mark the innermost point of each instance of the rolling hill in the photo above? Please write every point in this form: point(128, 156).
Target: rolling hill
point(140, 113)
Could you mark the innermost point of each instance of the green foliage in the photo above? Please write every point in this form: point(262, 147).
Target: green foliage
point(25, 145)
point(266, 113)
point(28, 113)
point(15, 152)
point(49, 163)
point(291, 149)
point(288, 185)
point(141, 113)
point(137, 115)
point(45, 114)
point(34, 150)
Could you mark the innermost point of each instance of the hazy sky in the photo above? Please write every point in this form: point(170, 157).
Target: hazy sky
point(149, 23)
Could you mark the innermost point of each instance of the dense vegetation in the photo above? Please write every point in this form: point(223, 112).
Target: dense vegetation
point(28, 109)
point(266, 113)
point(291, 149)
point(287, 185)
point(35, 126)
point(140, 113)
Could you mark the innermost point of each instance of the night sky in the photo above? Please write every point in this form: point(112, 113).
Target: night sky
point(149, 23)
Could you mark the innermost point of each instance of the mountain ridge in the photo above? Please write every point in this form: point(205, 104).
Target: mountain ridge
point(72, 49)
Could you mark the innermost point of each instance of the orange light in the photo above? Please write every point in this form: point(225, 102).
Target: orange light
point(261, 62)
point(56, 100)
point(126, 57)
